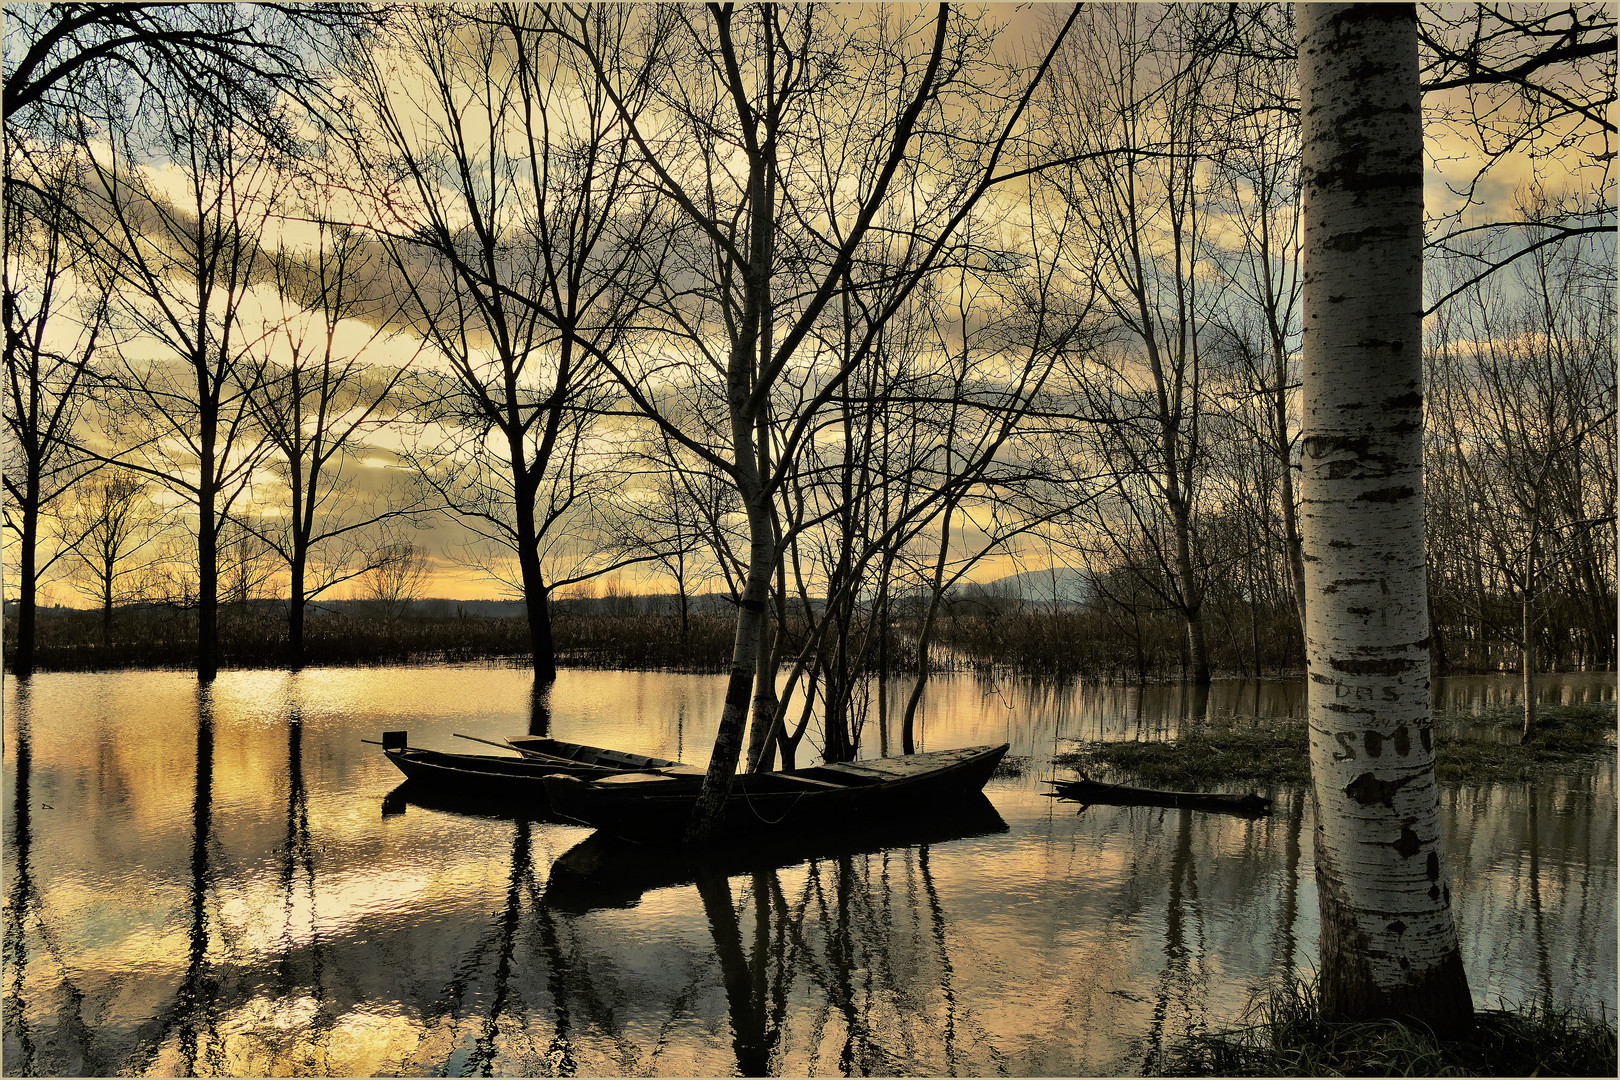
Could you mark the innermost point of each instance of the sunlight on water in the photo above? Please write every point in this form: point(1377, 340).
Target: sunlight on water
point(204, 882)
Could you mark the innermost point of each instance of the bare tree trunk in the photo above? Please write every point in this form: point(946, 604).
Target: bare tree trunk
point(207, 598)
point(684, 603)
point(106, 611)
point(1192, 599)
point(728, 740)
point(1389, 946)
point(537, 606)
point(207, 547)
point(761, 747)
point(295, 610)
point(1527, 651)
point(908, 744)
point(22, 659)
point(1296, 549)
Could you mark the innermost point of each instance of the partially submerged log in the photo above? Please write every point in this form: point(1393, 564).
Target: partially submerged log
point(1087, 790)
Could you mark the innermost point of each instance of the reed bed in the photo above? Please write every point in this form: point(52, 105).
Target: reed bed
point(1095, 641)
point(72, 641)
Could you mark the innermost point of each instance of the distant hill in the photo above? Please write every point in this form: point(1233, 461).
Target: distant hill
point(1062, 585)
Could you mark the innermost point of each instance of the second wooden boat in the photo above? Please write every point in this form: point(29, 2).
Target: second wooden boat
point(652, 808)
point(1087, 790)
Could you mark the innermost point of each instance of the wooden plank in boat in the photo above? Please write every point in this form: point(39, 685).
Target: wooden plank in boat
point(662, 776)
point(906, 765)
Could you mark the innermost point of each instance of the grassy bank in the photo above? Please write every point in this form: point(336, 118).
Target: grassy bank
point(1285, 1034)
point(1276, 752)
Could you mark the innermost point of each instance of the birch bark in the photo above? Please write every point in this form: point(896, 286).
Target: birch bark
point(1389, 946)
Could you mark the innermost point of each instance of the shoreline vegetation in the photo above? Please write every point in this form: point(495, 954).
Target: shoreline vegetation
point(1284, 1033)
point(1470, 748)
point(974, 633)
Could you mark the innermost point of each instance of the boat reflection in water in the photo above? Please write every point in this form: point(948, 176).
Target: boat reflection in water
point(843, 925)
point(849, 927)
point(605, 871)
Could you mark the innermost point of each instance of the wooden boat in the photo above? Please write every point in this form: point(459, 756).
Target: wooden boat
point(1089, 791)
point(604, 871)
point(648, 807)
point(489, 777)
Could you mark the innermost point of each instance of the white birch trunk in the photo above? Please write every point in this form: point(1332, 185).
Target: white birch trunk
point(1389, 947)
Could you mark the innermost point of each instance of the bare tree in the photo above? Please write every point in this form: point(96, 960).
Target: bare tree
point(181, 255)
point(114, 532)
point(510, 223)
point(749, 95)
point(54, 318)
point(396, 578)
point(247, 565)
point(1524, 379)
point(318, 399)
point(678, 515)
point(1257, 166)
point(1131, 100)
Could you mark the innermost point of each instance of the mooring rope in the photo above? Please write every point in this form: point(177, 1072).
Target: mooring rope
point(765, 820)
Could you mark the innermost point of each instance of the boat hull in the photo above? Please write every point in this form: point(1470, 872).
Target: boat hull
point(655, 809)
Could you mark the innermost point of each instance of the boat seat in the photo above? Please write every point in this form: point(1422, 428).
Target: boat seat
point(852, 775)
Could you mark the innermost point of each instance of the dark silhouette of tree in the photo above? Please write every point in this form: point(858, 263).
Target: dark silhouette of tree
point(180, 261)
point(395, 579)
point(749, 99)
point(318, 400)
point(511, 233)
point(113, 530)
point(54, 319)
point(231, 62)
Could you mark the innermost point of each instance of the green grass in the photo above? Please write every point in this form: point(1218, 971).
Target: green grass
point(1275, 752)
point(1256, 751)
point(1285, 1034)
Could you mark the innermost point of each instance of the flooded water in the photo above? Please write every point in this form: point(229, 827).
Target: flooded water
point(205, 882)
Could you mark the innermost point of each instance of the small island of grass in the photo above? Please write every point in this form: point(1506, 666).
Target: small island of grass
point(1264, 751)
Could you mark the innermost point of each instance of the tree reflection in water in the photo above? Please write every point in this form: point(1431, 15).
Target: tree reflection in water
point(1182, 979)
point(200, 882)
point(849, 943)
point(189, 1019)
point(73, 1040)
point(22, 900)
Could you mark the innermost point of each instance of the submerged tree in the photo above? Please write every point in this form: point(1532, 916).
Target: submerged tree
point(53, 319)
point(510, 215)
point(1389, 946)
point(181, 255)
point(775, 231)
